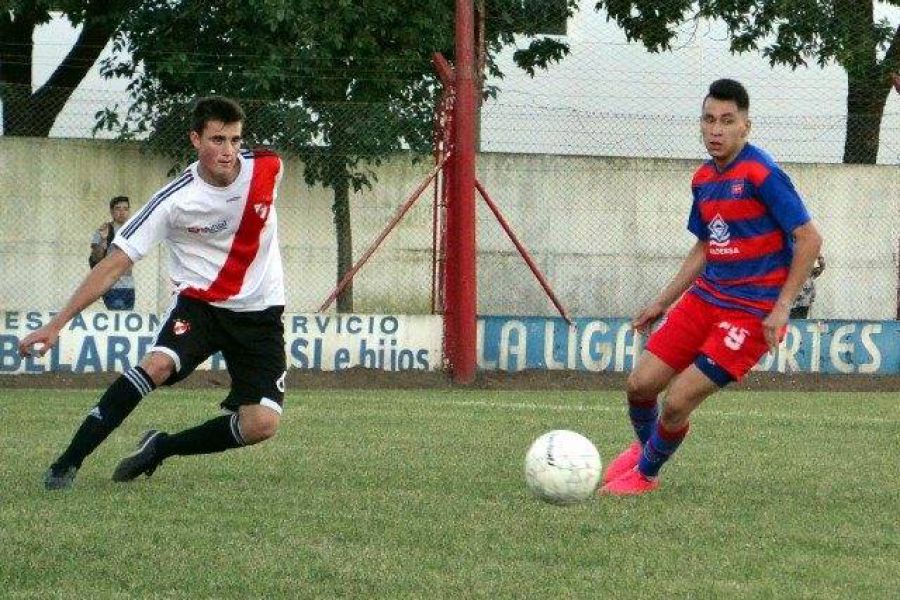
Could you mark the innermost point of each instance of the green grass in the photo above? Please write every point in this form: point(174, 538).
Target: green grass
point(419, 494)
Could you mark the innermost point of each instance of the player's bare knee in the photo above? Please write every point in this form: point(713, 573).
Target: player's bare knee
point(639, 387)
point(158, 366)
point(258, 426)
point(674, 416)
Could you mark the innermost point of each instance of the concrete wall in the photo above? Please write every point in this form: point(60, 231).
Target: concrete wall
point(612, 231)
point(607, 232)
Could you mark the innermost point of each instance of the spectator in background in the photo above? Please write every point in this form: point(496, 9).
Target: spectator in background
point(121, 295)
point(807, 295)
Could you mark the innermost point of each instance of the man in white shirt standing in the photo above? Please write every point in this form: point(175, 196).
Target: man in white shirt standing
point(218, 220)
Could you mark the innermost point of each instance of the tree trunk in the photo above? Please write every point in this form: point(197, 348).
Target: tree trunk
point(866, 97)
point(15, 70)
point(340, 183)
point(868, 83)
point(33, 114)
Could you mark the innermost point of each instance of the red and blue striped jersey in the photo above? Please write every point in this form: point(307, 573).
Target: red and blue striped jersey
point(746, 213)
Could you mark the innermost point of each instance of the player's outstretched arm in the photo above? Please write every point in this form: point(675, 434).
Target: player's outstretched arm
point(98, 281)
point(691, 267)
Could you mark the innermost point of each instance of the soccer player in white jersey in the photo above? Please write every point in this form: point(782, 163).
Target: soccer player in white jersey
point(219, 223)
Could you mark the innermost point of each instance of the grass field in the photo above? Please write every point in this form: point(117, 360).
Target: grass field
point(419, 494)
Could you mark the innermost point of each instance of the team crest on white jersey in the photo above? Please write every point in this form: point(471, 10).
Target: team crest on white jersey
point(262, 209)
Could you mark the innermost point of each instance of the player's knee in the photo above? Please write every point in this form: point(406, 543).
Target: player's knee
point(258, 426)
point(638, 386)
point(158, 366)
point(674, 415)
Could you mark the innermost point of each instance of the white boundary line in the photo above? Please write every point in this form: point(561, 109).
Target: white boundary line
point(753, 414)
point(296, 406)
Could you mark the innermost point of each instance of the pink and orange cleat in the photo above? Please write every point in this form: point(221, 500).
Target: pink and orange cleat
point(630, 483)
point(626, 461)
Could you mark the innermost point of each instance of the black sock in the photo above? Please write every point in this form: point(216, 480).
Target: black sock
point(117, 403)
point(216, 435)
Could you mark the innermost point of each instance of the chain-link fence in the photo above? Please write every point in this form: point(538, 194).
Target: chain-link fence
point(590, 161)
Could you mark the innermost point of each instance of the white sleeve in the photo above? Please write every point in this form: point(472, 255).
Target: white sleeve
point(148, 227)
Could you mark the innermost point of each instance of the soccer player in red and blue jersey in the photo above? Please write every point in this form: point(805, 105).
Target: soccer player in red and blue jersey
point(730, 300)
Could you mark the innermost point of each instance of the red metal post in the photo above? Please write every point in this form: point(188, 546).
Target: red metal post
point(461, 270)
point(523, 252)
point(443, 143)
point(401, 210)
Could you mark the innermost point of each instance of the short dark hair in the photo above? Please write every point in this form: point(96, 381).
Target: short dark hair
point(215, 108)
point(729, 89)
point(117, 199)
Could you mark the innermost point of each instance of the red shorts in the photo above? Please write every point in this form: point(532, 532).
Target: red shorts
point(732, 338)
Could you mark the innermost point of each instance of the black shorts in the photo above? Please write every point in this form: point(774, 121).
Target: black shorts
point(252, 344)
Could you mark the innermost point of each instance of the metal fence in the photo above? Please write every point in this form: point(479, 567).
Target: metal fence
point(590, 161)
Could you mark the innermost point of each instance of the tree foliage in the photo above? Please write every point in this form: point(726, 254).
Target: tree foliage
point(793, 33)
point(340, 84)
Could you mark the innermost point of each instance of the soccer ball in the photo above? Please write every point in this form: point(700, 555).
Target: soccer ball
point(562, 467)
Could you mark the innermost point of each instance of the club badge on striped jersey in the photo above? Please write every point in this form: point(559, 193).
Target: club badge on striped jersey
point(718, 231)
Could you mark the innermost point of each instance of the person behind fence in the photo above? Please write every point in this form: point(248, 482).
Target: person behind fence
point(729, 301)
point(807, 295)
point(121, 294)
point(218, 220)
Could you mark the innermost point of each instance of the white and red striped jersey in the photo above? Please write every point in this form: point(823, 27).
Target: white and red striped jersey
point(223, 241)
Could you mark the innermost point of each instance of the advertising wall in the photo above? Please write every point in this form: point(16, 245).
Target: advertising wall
point(114, 341)
point(838, 347)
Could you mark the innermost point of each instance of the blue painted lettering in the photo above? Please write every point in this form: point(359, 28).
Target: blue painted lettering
point(88, 360)
point(341, 358)
point(34, 320)
point(9, 353)
point(117, 349)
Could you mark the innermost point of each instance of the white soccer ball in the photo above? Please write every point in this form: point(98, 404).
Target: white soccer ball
point(562, 467)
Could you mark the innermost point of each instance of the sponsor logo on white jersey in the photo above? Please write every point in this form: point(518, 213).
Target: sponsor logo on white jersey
point(214, 228)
